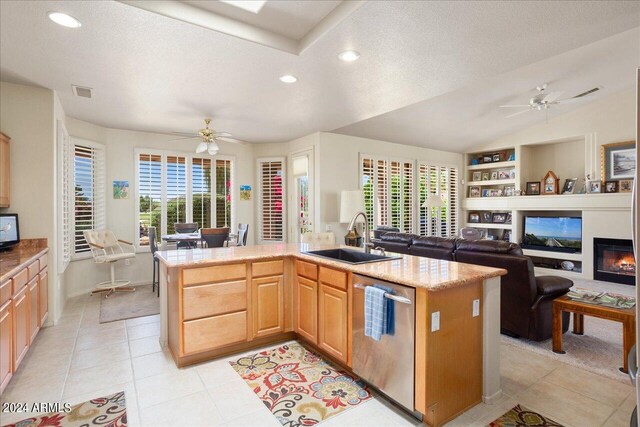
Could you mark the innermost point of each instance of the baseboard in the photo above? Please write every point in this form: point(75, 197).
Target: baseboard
point(494, 398)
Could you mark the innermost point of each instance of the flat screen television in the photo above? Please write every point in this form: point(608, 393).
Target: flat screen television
point(9, 230)
point(553, 233)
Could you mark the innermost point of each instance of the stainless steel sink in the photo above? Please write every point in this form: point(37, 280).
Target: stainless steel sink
point(350, 256)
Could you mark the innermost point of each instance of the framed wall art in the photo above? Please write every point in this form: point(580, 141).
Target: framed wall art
point(618, 161)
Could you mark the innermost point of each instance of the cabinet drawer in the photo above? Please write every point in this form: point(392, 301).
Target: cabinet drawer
point(332, 277)
point(44, 261)
point(34, 269)
point(213, 332)
point(216, 273)
point(307, 269)
point(20, 281)
point(211, 300)
point(267, 268)
point(6, 291)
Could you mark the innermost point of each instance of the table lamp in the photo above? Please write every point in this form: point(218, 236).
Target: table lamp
point(351, 202)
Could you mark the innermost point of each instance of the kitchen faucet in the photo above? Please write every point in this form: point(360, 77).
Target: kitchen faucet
point(367, 234)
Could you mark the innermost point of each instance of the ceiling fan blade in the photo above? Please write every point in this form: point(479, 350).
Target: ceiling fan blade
point(184, 133)
point(185, 138)
point(517, 114)
point(552, 97)
point(515, 106)
point(228, 139)
point(222, 133)
point(589, 92)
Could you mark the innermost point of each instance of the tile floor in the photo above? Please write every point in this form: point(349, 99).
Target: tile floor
point(80, 358)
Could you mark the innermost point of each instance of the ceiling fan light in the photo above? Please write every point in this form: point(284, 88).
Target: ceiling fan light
point(201, 148)
point(213, 148)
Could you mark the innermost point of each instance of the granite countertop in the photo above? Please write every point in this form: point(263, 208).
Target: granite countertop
point(17, 258)
point(418, 272)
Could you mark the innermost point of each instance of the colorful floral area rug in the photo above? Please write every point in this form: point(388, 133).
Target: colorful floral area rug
point(298, 386)
point(522, 417)
point(109, 411)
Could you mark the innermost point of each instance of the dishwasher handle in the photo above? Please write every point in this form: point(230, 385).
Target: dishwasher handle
point(397, 298)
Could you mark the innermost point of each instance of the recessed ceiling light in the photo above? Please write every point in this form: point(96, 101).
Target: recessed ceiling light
point(349, 55)
point(253, 6)
point(64, 20)
point(288, 79)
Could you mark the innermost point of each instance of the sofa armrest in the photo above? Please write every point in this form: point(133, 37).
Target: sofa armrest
point(550, 285)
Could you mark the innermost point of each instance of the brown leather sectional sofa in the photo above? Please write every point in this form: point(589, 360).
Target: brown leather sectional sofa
point(525, 299)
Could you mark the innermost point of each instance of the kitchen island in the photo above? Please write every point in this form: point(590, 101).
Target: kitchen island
point(219, 301)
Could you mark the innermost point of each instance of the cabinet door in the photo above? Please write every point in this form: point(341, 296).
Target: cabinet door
point(34, 319)
point(20, 326)
point(332, 322)
point(268, 305)
point(6, 335)
point(43, 300)
point(306, 309)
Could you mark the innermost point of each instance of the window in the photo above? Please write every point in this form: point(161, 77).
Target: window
point(441, 180)
point(180, 187)
point(88, 192)
point(271, 227)
point(394, 191)
point(64, 189)
point(388, 188)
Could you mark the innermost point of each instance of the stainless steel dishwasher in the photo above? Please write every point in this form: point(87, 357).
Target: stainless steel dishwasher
point(388, 364)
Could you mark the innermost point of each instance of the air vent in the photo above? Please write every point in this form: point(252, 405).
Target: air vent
point(84, 92)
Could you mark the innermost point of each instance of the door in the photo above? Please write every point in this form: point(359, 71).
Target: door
point(268, 305)
point(306, 309)
point(302, 206)
point(43, 300)
point(6, 334)
point(20, 326)
point(332, 322)
point(34, 319)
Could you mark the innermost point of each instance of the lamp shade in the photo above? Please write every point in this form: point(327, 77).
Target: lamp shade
point(433, 201)
point(351, 202)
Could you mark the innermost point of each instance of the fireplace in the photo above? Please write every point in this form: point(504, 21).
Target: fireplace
point(613, 261)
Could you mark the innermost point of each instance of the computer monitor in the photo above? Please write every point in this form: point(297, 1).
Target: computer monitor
point(9, 230)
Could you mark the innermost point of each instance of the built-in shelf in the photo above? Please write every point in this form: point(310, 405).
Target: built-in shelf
point(496, 165)
point(497, 226)
point(574, 202)
point(558, 272)
point(492, 182)
point(552, 254)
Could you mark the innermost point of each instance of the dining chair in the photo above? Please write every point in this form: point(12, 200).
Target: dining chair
point(243, 230)
point(106, 248)
point(214, 237)
point(153, 244)
point(185, 228)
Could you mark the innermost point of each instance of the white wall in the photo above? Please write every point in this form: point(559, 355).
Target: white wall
point(27, 115)
point(339, 158)
point(81, 275)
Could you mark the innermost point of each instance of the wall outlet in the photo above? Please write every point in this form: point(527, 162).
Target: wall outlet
point(328, 227)
point(127, 262)
point(476, 307)
point(435, 321)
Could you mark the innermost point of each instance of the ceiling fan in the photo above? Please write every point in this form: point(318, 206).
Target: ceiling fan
point(544, 100)
point(209, 138)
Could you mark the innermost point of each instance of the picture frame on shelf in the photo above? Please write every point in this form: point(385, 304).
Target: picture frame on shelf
point(618, 161)
point(569, 186)
point(594, 187)
point(494, 175)
point(474, 217)
point(504, 174)
point(498, 217)
point(533, 188)
point(486, 217)
point(625, 186)
point(509, 218)
point(512, 174)
point(486, 192)
point(487, 158)
point(509, 191)
point(477, 176)
point(611, 186)
point(485, 176)
point(506, 236)
point(550, 184)
point(496, 158)
point(474, 191)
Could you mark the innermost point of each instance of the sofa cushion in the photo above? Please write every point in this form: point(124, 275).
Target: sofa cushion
point(383, 229)
point(436, 242)
point(549, 285)
point(405, 238)
point(491, 246)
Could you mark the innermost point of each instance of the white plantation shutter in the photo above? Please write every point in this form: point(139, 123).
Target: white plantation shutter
point(367, 184)
point(201, 187)
point(443, 180)
point(395, 194)
point(382, 193)
point(88, 192)
point(408, 216)
point(271, 179)
point(149, 195)
point(176, 191)
point(64, 187)
point(224, 185)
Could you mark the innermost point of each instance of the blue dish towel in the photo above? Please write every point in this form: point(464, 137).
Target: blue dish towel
point(378, 312)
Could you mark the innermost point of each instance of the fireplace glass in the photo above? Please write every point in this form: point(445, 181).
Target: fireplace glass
point(614, 261)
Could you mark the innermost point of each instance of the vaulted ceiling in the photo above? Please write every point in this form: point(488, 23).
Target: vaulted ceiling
point(430, 72)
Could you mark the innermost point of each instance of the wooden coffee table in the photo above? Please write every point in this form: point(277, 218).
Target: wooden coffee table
point(626, 316)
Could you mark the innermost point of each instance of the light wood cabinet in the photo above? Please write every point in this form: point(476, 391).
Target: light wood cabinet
point(20, 326)
point(268, 305)
point(306, 309)
point(214, 332)
point(43, 300)
point(214, 299)
point(34, 319)
point(6, 354)
point(5, 173)
point(332, 321)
